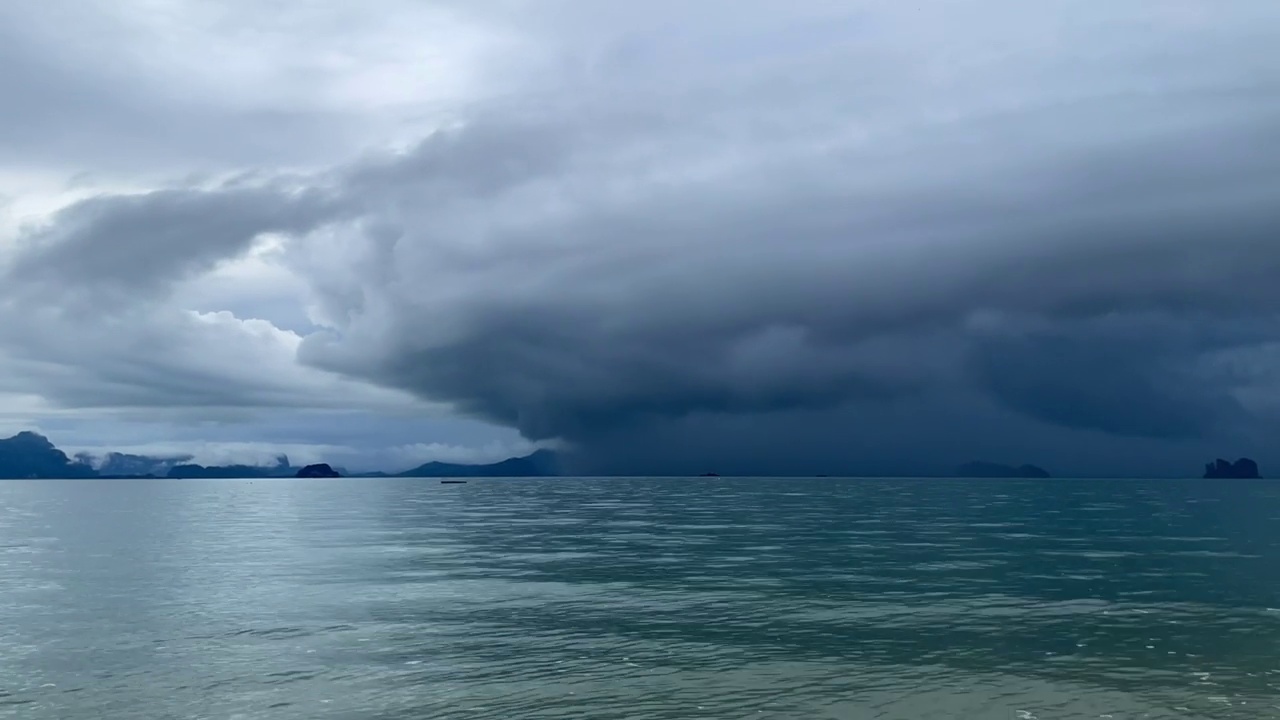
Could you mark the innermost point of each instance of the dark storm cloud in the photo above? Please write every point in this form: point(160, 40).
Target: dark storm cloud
point(1129, 381)
point(133, 244)
point(489, 155)
point(902, 244)
point(775, 294)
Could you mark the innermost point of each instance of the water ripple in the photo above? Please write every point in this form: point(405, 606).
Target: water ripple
point(640, 599)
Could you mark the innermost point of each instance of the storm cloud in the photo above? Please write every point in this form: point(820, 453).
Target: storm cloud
point(861, 237)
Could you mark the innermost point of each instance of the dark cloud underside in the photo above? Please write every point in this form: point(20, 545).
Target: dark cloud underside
point(854, 238)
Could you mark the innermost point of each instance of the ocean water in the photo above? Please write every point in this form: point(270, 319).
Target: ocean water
point(583, 598)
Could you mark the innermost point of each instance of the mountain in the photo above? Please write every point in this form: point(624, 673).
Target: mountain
point(319, 470)
point(979, 469)
point(195, 472)
point(542, 463)
point(124, 464)
point(1242, 469)
point(31, 455)
point(282, 468)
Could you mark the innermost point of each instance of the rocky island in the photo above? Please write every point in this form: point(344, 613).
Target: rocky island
point(31, 455)
point(1242, 469)
point(540, 464)
point(980, 469)
point(318, 470)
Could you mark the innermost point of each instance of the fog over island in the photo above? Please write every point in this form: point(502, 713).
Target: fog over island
point(759, 237)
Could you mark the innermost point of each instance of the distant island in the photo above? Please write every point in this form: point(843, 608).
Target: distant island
point(980, 469)
point(30, 455)
point(192, 472)
point(1242, 469)
point(200, 472)
point(319, 470)
point(542, 463)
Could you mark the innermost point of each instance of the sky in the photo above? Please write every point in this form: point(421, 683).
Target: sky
point(865, 236)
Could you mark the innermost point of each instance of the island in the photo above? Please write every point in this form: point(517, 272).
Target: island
point(542, 463)
point(217, 472)
point(318, 470)
point(981, 469)
point(1242, 469)
point(31, 455)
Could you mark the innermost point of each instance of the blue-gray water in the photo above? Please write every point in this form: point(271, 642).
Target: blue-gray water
point(387, 599)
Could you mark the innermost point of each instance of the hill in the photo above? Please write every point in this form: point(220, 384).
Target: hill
point(980, 469)
point(542, 463)
point(1242, 469)
point(31, 455)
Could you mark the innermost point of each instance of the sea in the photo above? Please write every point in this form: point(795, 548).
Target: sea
point(394, 599)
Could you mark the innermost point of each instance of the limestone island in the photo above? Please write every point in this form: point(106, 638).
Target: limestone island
point(979, 469)
point(1242, 469)
point(319, 470)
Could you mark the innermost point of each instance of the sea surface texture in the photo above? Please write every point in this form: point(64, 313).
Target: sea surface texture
point(599, 599)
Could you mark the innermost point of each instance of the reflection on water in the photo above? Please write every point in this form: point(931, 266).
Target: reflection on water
point(640, 599)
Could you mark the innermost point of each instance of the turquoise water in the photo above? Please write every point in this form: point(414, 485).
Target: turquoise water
point(396, 599)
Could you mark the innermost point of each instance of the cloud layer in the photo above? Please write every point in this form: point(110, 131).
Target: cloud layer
point(807, 238)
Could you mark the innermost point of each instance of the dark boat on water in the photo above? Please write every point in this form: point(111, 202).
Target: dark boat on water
point(453, 482)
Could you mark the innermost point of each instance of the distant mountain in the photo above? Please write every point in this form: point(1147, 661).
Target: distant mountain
point(319, 470)
point(1242, 469)
point(979, 469)
point(282, 468)
point(124, 464)
point(542, 463)
point(31, 455)
point(196, 472)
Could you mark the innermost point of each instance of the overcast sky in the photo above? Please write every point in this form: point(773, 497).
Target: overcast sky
point(812, 236)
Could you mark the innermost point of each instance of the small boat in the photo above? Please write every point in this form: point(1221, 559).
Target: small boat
point(453, 482)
